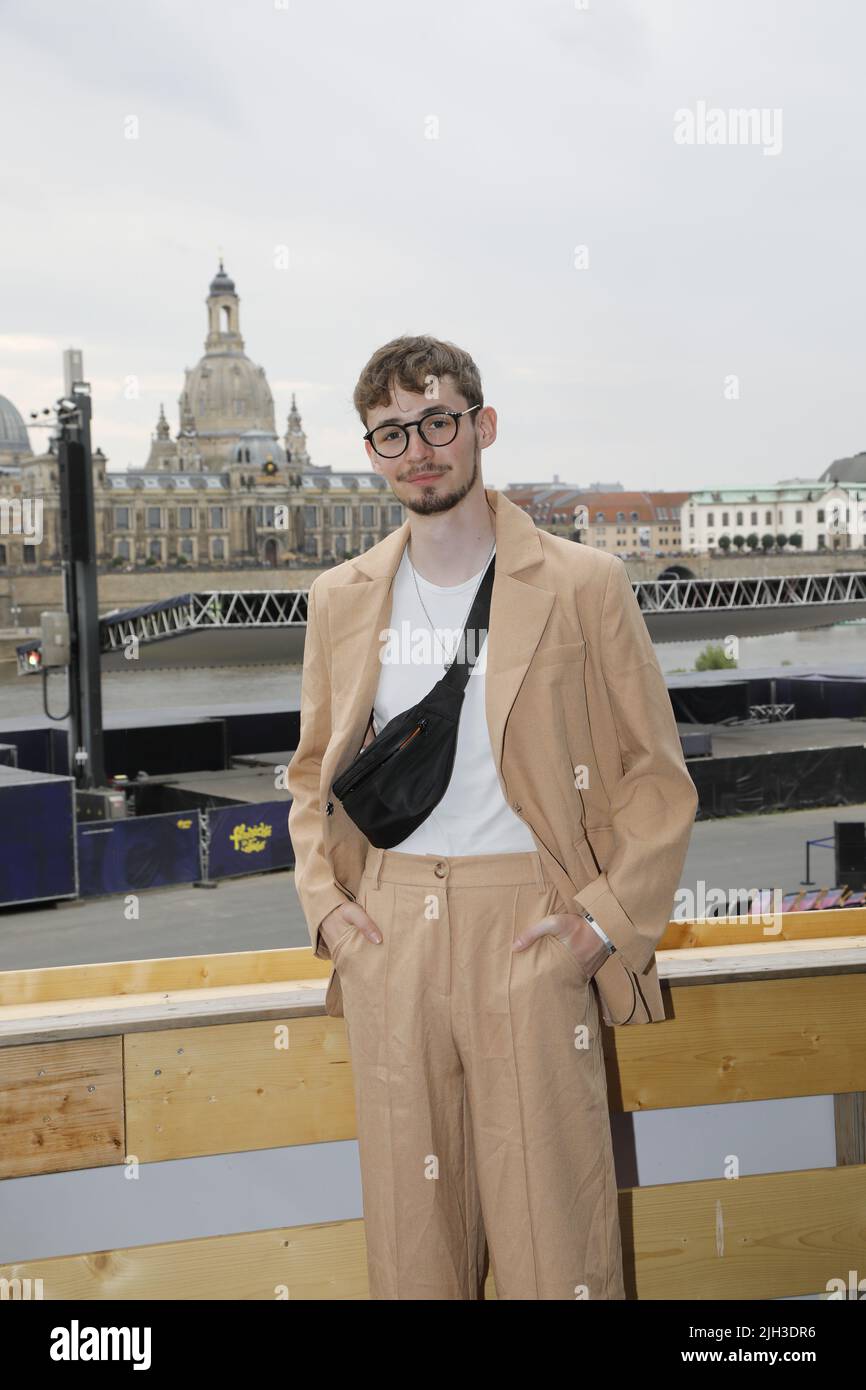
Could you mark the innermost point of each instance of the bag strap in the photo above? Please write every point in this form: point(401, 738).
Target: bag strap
point(457, 676)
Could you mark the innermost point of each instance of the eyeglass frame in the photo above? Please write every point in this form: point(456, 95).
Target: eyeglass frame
point(456, 415)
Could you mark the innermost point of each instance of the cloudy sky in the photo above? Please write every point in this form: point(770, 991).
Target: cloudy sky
point(645, 306)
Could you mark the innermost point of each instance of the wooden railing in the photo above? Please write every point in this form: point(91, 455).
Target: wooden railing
point(183, 1057)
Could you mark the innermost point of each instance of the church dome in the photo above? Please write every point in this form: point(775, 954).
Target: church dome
point(227, 394)
point(14, 438)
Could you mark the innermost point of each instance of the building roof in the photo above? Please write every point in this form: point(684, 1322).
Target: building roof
point(805, 491)
point(138, 479)
point(14, 438)
point(849, 470)
point(222, 283)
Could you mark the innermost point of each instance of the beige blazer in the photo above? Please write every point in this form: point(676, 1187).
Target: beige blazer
point(581, 726)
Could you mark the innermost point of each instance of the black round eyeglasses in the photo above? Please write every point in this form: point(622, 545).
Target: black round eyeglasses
point(390, 441)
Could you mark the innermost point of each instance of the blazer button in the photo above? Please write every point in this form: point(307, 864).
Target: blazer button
point(329, 809)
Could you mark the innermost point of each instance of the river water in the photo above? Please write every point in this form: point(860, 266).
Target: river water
point(204, 690)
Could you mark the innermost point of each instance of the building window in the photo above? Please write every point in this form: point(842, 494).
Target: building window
point(265, 516)
point(620, 516)
point(599, 516)
point(821, 514)
point(154, 518)
point(121, 549)
point(185, 547)
point(121, 518)
point(798, 517)
point(2, 555)
point(310, 545)
point(754, 520)
point(768, 518)
point(725, 516)
point(30, 554)
point(396, 515)
point(217, 518)
point(368, 542)
point(184, 518)
point(340, 544)
point(368, 515)
point(711, 519)
point(739, 518)
point(634, 516)
point(155, 549)
point(217, 548)
point(338, 516)
point(310, 516)
point(240, 407)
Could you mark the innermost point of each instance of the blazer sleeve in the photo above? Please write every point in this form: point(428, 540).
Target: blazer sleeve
point(314, 879)
point(653, 803)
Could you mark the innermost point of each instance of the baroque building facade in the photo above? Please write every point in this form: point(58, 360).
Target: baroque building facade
point(225, 490)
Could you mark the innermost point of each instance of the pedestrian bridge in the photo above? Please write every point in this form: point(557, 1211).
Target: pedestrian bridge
point(228, 626)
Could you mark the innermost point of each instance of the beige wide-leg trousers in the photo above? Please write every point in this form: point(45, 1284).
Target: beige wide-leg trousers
point(480, 1087)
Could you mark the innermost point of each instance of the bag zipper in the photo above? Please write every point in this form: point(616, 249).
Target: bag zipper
point(367, 772)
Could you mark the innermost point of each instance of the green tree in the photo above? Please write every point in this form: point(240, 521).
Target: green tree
point(713, 658)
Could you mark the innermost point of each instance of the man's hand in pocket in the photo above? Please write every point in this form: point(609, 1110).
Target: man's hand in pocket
point(574, 932)
point(348, 915)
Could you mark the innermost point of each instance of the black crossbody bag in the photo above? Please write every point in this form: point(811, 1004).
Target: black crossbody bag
point(396, 781)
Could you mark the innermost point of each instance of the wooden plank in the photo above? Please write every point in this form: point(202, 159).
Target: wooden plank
point(164, 973)
point(753, 1040)
point(245, 1086)
point(850, 1122)
point(758, 960)
point(776, 1235)
point(44, 1022)
point(326, 1261)
point(61, 1107)
point(794, 926)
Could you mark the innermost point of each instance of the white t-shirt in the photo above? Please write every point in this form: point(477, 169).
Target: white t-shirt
point(473, 816)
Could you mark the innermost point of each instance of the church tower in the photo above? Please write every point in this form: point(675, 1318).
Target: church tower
point(296, 441)
point(223, 315)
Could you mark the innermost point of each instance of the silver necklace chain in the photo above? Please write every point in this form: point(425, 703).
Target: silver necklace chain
point(471, 601)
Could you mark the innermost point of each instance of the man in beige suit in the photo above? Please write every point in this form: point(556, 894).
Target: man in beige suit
point(473, 962)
